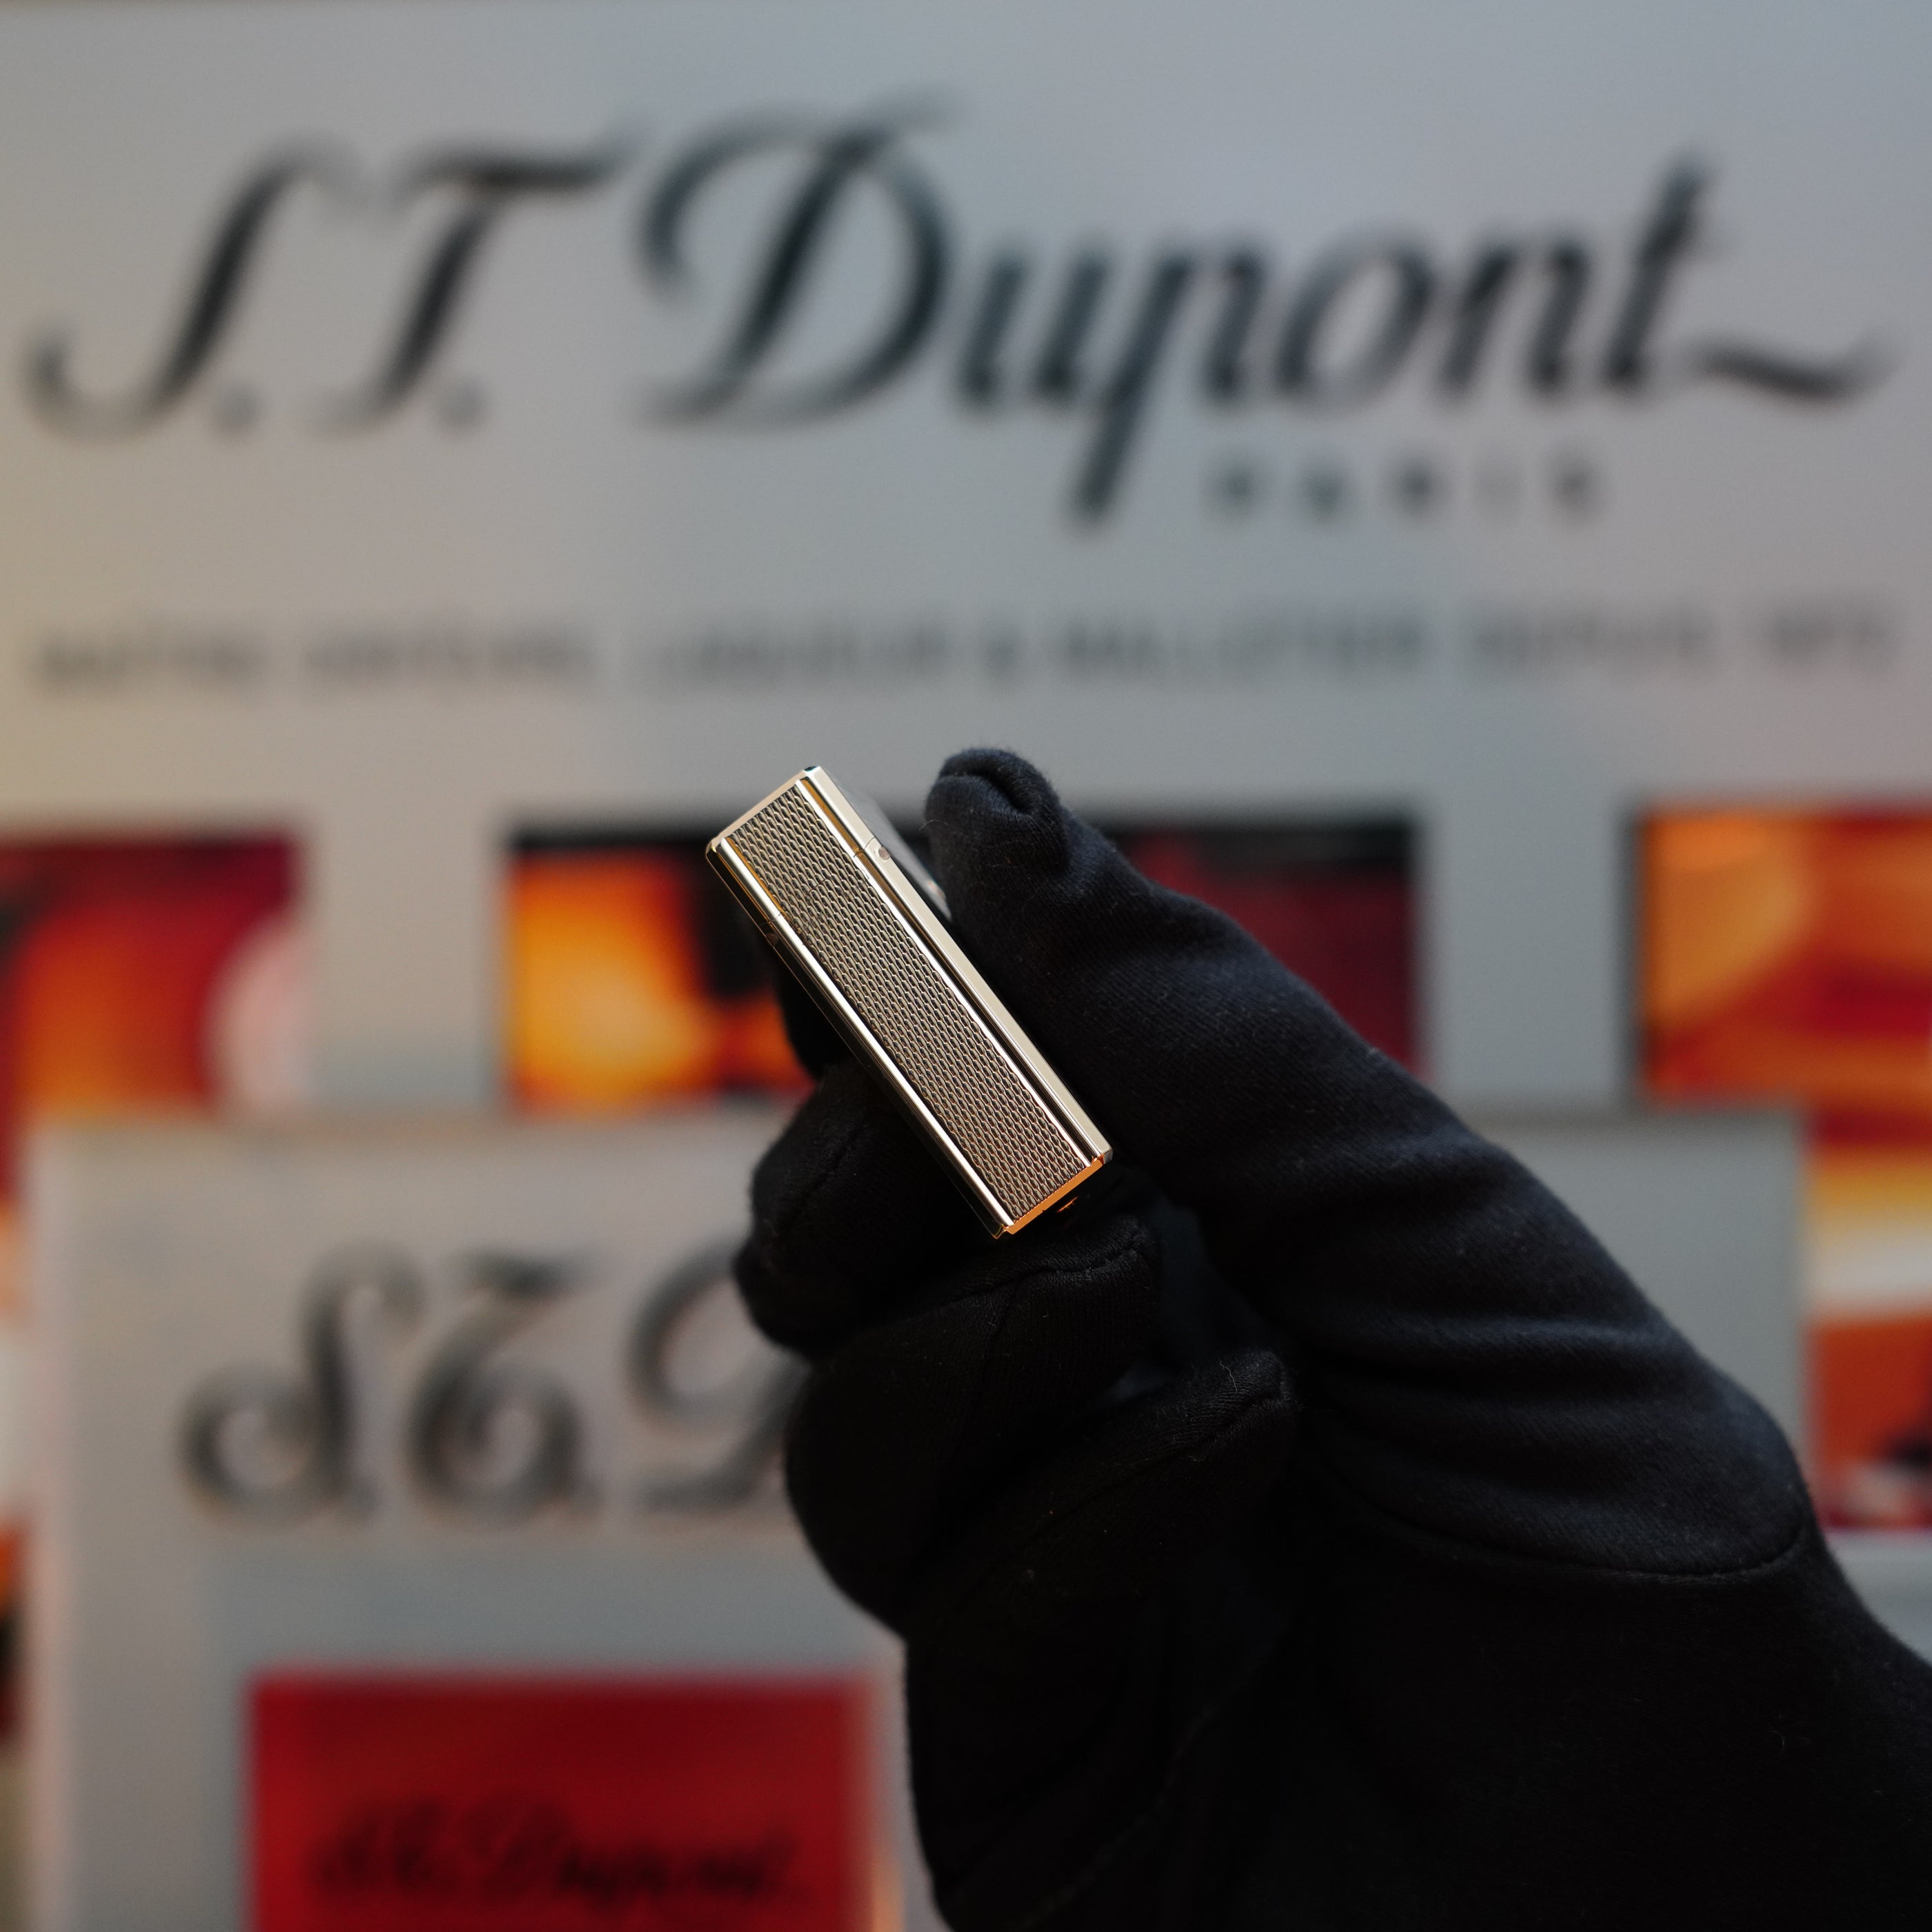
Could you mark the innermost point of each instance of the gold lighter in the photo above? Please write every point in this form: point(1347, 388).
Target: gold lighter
point(862, 923)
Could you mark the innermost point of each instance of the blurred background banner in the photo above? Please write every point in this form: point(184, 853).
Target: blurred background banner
point(408, 1548)
point(420, 423)
point(1447, 486)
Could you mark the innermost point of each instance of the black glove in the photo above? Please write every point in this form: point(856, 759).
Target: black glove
point(1317, 1529)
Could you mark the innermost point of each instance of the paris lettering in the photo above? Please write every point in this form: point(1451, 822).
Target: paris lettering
point(1097, 334)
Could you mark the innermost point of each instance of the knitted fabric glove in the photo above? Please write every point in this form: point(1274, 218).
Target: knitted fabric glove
point(1316, 1528)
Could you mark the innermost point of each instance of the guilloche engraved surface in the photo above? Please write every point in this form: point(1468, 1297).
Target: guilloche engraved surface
point(998, 1124)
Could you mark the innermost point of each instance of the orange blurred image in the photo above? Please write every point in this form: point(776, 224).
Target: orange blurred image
point(1869, 1236)
point(632, 977)
point(1787, 956)
point(147, 972)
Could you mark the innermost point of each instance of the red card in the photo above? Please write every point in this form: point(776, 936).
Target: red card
point(467, 1804)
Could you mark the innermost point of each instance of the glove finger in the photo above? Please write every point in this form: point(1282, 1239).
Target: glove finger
point(895, 1435)
point(1065, 1648)
point(1113, 1516)
point(848, 1205)
point(1201, 1056)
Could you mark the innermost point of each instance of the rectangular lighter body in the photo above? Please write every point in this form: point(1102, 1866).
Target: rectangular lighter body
point(860, 922)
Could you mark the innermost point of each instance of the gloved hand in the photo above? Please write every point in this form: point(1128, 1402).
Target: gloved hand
point(1317, 1529)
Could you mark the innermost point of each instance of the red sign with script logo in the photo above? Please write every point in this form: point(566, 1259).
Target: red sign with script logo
point(465, 1803)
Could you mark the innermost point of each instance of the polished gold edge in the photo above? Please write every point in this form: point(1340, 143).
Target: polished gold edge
point(989, 1011)
point(745, 817)
point(875, 831)
point(1002, 1031)
point(738, 873)
point(1060, 1196)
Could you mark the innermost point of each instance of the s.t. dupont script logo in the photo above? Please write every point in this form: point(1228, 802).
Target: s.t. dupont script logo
point(1093, 332)
point(482, 1431)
